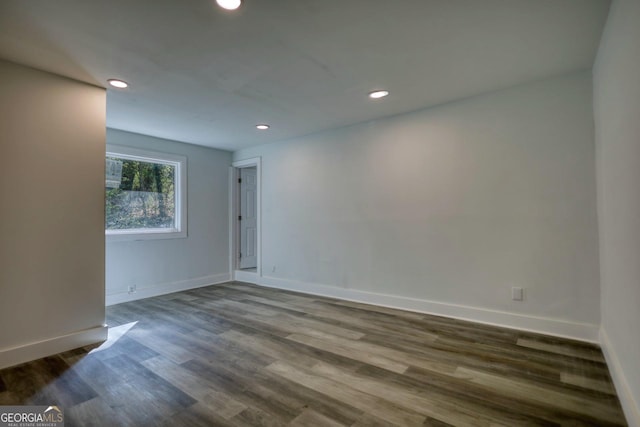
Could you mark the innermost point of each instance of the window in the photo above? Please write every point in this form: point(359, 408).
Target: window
point(145, 194)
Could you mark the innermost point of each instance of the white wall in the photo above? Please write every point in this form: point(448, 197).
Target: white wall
point(52, 139)
point(617, 125)
point(451, 206)
point(169, 265)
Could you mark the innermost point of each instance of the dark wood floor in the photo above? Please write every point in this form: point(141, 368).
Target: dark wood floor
point(242, 355)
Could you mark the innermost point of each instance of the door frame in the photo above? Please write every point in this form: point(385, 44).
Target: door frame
point(234, 212)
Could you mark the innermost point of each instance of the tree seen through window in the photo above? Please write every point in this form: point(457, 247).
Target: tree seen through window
point(141, 197)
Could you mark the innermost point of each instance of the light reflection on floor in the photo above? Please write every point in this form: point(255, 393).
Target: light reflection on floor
point(114, 335)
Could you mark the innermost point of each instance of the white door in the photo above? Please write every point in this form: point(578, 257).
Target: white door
point(248, 218)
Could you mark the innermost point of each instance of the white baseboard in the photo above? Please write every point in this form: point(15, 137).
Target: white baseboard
point(167, 288)
point(25, 353)
point(245, 276)
point(548, 326)
point(630, 407)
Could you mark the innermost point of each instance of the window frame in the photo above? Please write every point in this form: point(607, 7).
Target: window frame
point(180, 189)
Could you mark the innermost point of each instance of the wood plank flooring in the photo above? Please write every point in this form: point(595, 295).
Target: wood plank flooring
point(242, 355)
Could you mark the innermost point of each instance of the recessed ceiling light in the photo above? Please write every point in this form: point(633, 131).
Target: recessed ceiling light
point(229, 4)
point(263, 126)
point(118, 83)
point(376, 94)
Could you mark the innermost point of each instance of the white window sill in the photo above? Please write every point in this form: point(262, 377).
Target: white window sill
point(151, 234)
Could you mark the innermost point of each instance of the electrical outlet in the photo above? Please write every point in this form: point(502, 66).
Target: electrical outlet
point(517, 294)
point(132, 288)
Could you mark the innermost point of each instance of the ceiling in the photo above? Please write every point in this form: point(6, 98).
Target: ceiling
point(204, 75)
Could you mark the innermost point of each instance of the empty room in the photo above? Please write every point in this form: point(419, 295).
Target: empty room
point(320, 213)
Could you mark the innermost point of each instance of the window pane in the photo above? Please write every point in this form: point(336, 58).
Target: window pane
point(140, 194)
